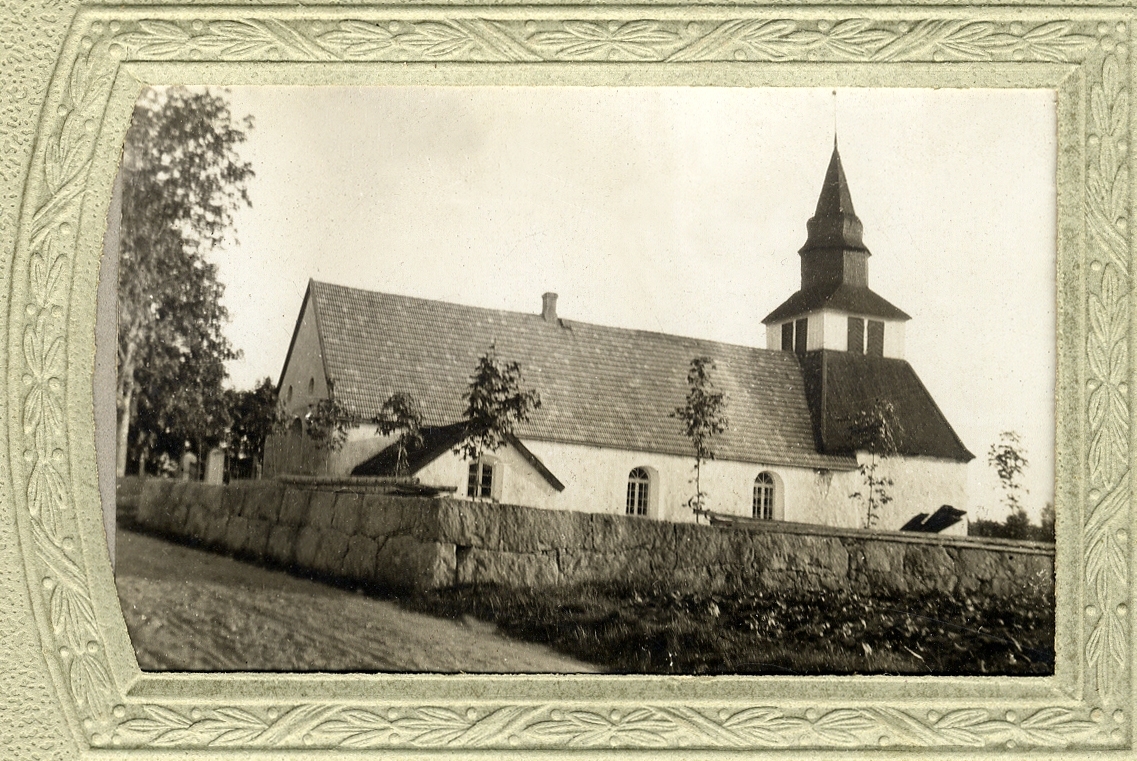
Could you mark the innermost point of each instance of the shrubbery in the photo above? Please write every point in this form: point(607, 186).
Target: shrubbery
point(1017, 526)
point(632, 630)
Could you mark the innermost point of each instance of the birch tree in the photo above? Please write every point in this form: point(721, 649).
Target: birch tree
point(182, 182)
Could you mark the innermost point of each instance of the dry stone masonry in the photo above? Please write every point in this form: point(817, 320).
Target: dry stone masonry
point(356, 530)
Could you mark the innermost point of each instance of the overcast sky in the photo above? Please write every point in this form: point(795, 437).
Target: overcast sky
point(678, 210)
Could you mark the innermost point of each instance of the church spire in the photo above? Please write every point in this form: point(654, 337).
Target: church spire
point(834, 223)
point(835, 284)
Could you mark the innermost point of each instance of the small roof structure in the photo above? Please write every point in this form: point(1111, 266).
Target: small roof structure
point(437, 441)
point(843, 298)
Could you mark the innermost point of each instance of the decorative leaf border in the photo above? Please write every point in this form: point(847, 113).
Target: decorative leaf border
point(52, 206)
point(652, 726)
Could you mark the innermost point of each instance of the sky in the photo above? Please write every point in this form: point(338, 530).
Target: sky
point(677, 210)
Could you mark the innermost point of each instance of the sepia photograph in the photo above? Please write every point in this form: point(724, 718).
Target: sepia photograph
point(616, 380)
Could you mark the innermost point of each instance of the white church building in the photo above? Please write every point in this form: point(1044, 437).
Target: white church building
point(603, 439)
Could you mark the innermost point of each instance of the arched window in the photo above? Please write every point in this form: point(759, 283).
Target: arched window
point(288, 396)
point(311, 386)
point(764, 496)
point(638, 482)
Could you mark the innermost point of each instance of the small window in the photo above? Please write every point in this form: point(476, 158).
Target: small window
point(637, 492)
point(764, 497)
point(288, 396)
point(801, 335)
point(856, 335)
point(876, 338)
point(479, 485)
point(787, 336)
point(311, 386)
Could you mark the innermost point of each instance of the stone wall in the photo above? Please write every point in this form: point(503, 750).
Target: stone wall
point(356, 529)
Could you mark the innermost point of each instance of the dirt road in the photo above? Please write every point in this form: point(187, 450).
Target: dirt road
point(189, 610)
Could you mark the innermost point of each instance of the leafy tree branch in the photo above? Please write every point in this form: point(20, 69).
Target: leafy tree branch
point(401, 414)
point(704, 420)
point(875, 429)
point(495, 403)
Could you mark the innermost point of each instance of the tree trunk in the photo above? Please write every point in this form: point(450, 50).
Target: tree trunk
point(125, 401)
point(125, 410)
point(698, 488)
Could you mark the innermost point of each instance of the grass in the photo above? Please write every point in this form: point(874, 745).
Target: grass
point(656, 631)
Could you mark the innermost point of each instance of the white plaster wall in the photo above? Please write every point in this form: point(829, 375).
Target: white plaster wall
point(304, 364)
point(832, 332)
point(815, 331)
point(894, 339)
point(516, 483)
point(774, 337)
point(596, 480)
point(922, 485)
point(835, 329)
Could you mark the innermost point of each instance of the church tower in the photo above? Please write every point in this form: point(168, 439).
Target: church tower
point(835, 309)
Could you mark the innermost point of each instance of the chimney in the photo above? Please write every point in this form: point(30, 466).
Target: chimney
point(549, 307)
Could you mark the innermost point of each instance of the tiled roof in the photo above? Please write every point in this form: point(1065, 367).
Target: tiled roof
point(843, 297)
point(839, 384)
point(599, 386)
point(436, 441)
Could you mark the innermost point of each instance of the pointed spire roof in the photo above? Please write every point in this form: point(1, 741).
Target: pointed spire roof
point(834, 223)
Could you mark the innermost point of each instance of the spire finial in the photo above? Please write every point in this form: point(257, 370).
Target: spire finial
point(834, 120)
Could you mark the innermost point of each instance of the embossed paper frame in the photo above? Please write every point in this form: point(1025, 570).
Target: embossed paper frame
point(51, 269)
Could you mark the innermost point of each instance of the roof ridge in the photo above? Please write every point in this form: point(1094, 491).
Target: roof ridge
point(569, 322)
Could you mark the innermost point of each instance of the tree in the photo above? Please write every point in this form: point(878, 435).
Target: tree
point(182, 180)
point(253, 415)
point(494, 404)
point(1008, 458)
point(875, 430)
point(180, 407)
point(326, 424)
point(1048, 520)
point(703, 421)
point(401, 413)
point(1017, 526)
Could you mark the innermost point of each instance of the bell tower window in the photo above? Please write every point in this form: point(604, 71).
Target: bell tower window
point(856, 335)
point(876, 338)
point(801, 335)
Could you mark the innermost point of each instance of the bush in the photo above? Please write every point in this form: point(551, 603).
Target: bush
point(1013, 528)
point(659, 631)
